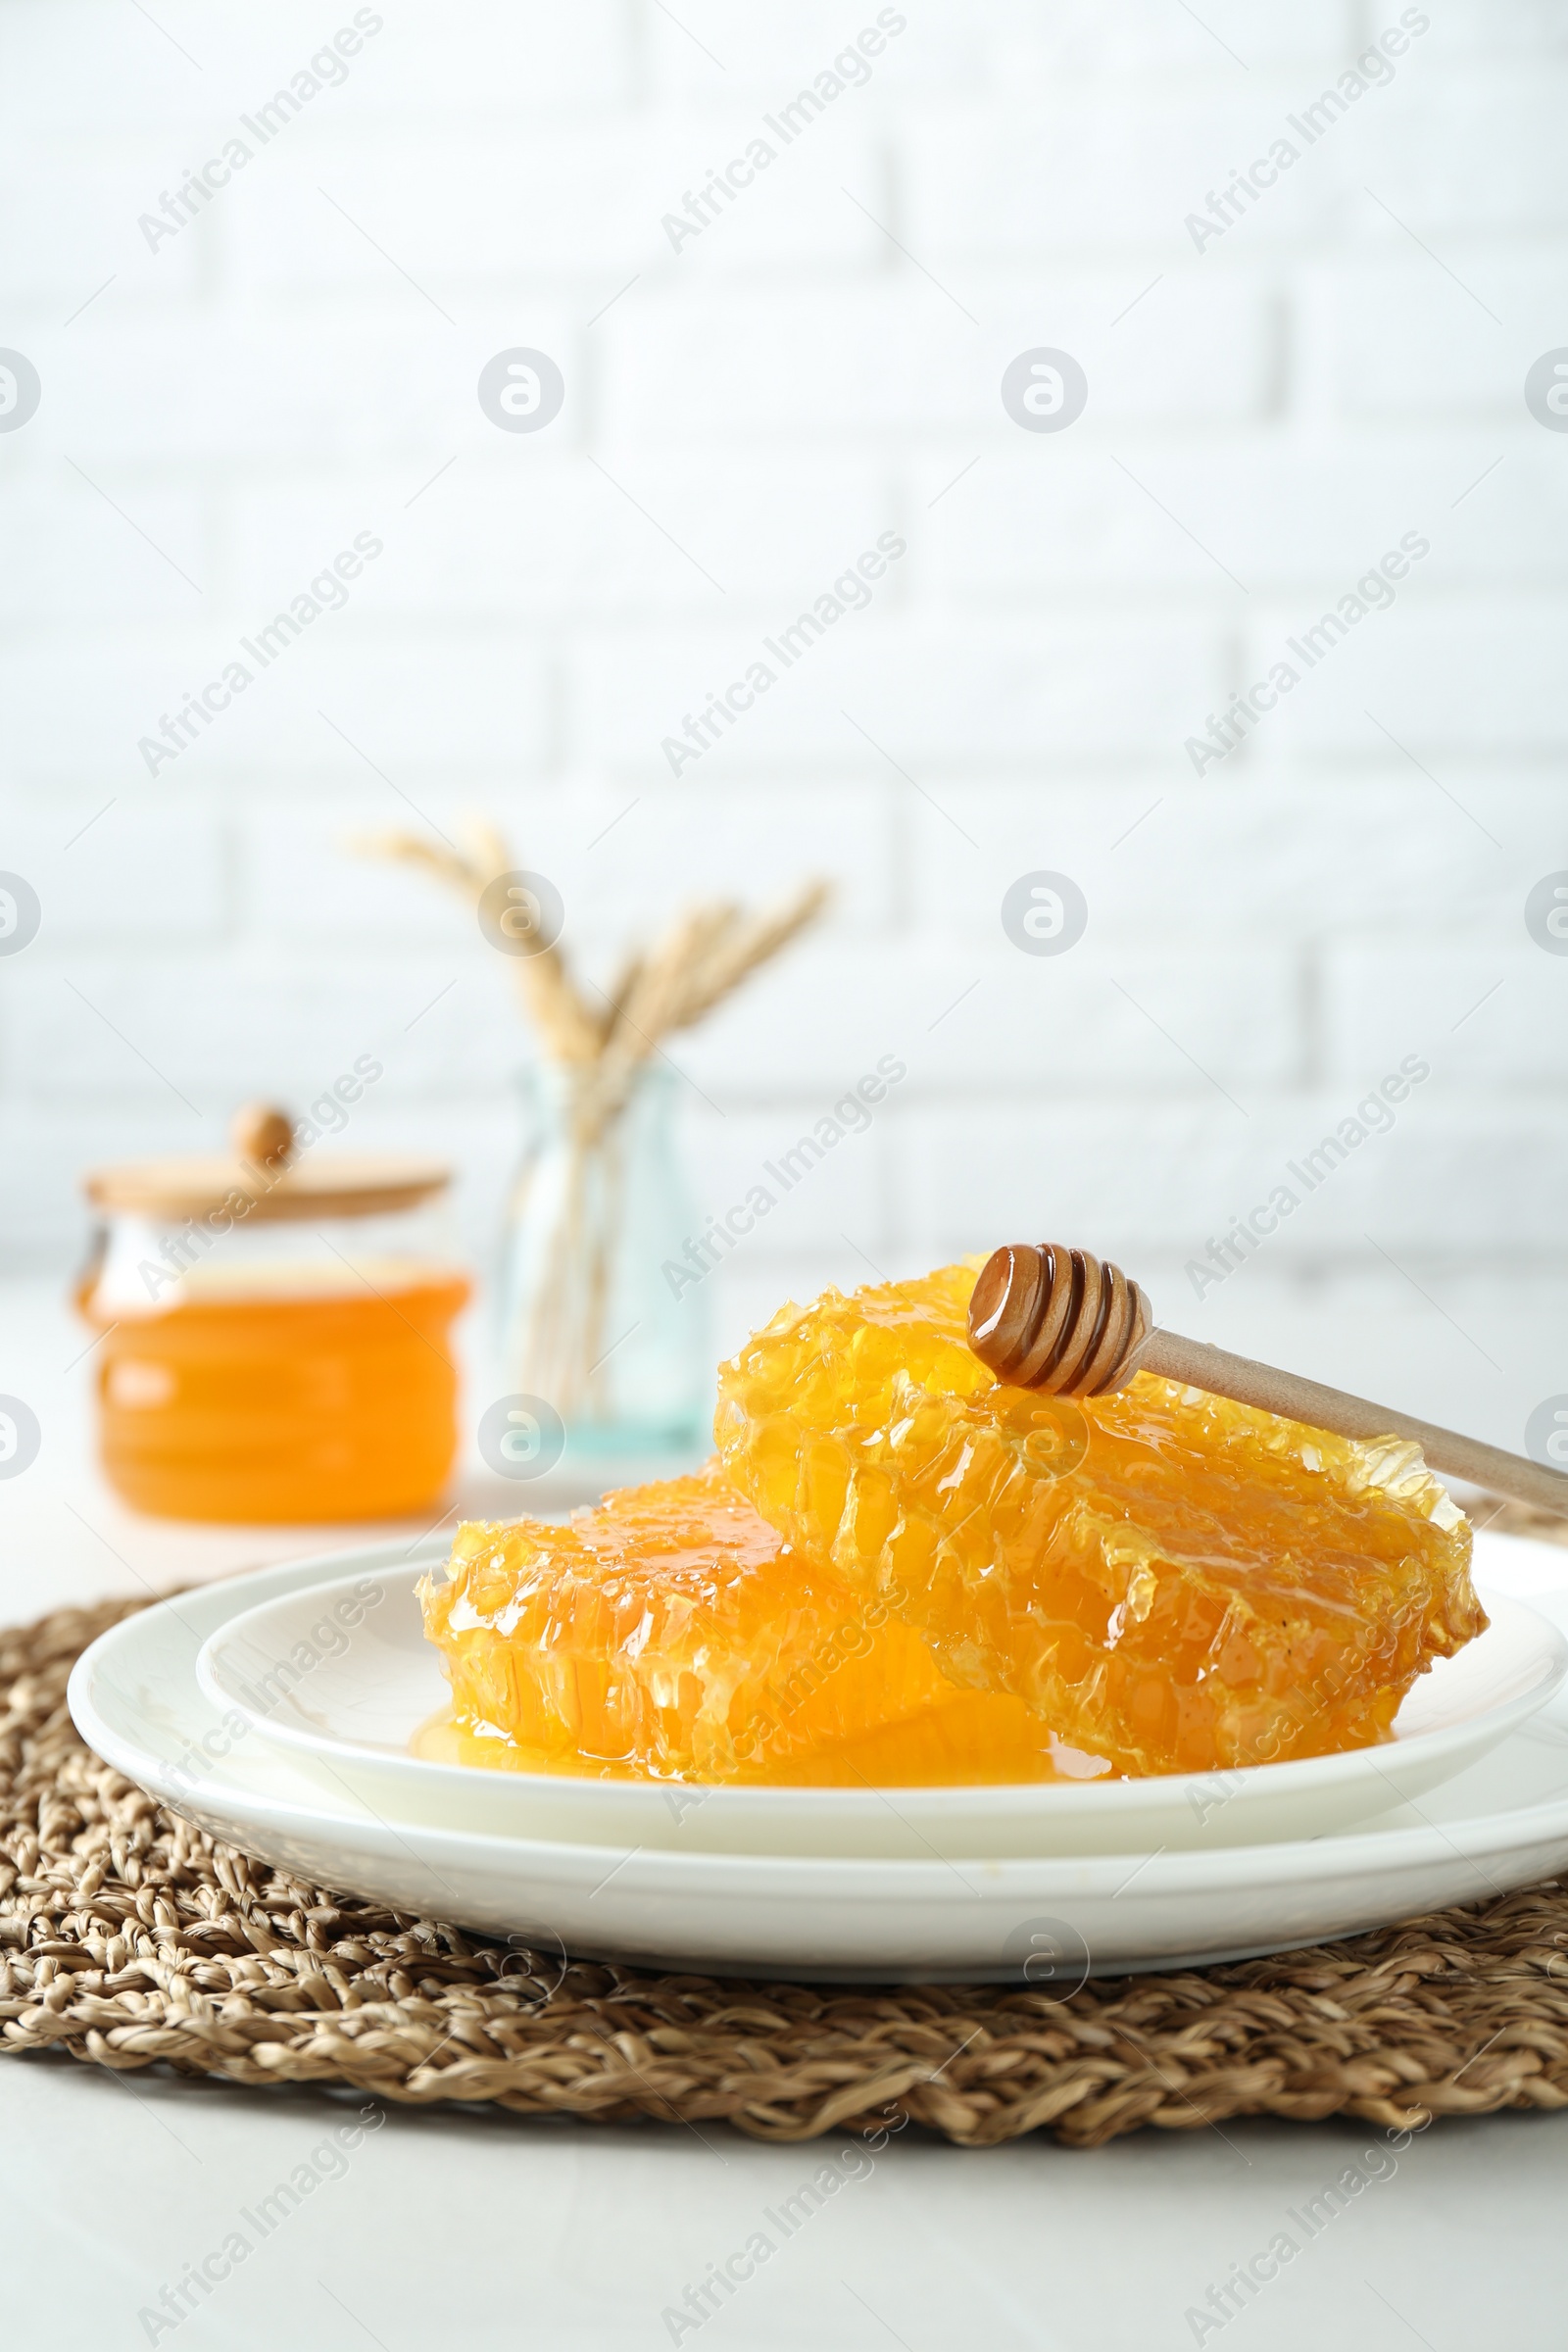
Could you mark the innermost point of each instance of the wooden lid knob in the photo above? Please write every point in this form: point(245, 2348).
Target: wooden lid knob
point(261, 1133)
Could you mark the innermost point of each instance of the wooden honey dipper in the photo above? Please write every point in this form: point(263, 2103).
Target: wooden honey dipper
point(1072, 1324)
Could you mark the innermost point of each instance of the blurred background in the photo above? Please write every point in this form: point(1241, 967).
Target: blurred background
point(1287, 380)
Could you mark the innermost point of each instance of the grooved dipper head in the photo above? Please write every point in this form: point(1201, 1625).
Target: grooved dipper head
point(1057, 1319)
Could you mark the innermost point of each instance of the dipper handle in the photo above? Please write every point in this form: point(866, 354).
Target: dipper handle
point(1061, 1319)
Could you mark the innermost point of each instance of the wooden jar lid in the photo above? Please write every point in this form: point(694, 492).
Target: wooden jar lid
point(267, 1178)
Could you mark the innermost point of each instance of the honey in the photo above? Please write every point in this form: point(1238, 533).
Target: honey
point(670, 1634)
point(258, 1409)
point(273, 1327)
point(1167, 1580)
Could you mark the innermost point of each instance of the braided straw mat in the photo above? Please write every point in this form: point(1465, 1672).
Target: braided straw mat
point(128, 1937)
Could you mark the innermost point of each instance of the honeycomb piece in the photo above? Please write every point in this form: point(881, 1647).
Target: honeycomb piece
point(671, 1634)
point(1171, 1580)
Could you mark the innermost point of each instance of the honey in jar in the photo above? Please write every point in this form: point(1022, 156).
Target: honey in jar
point(275, 1331)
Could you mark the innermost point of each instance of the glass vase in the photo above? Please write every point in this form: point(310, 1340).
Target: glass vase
point(591, 1320)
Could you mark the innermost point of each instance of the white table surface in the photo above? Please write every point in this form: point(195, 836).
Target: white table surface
point(485, 2232)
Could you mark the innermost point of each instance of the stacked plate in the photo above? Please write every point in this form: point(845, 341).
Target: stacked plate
point(277, 1710)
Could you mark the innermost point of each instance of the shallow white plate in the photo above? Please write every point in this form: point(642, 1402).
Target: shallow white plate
point(341, 1676)
point(1502, 1824)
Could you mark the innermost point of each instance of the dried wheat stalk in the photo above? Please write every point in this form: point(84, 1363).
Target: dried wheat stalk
point(707, 954)
point(603, 1037)
point(568, 1031)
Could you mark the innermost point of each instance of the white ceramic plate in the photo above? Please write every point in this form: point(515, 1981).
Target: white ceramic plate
point(1502, 1824)
point(340, 1675)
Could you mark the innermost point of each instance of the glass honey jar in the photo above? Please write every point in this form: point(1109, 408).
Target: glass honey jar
point(275, 1331)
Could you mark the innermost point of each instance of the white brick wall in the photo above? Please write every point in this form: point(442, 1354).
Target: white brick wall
point(1265, 417)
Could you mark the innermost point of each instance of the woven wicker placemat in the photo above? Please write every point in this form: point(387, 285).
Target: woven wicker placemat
point(129, 1939)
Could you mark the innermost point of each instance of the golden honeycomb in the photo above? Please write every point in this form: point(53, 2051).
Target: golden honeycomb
point(1170, 1581)
point(672, 1634)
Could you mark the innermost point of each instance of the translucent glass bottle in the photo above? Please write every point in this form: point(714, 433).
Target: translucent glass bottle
point(603, 1313)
